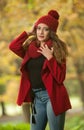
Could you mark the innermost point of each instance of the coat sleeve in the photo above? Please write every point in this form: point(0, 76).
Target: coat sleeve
point(58, 71)
point(16, 44)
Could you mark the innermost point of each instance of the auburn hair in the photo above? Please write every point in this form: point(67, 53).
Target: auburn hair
point(60, 48)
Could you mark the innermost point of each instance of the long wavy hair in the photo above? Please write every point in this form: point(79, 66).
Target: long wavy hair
point(60, 49)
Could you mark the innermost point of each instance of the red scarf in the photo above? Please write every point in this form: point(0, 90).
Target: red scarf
point(32, 49)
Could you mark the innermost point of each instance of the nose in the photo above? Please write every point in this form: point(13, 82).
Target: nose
point(41, 31)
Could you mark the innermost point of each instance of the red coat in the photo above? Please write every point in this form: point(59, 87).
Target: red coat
point(53, 76)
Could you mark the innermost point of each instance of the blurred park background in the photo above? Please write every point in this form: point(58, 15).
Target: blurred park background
point(19, 15)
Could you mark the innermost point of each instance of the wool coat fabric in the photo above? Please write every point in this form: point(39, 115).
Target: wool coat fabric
point(53, 76)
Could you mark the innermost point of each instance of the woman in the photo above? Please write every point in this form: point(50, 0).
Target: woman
point(43, 71)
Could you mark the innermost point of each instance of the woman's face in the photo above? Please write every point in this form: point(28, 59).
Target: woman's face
point(42, 32)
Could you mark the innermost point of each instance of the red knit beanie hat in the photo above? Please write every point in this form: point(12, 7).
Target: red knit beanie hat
point(51, 20)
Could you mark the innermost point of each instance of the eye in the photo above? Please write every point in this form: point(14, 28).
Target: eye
point(46, 29)
point(38, 27)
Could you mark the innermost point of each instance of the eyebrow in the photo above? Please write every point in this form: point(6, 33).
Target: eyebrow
point(43, 27)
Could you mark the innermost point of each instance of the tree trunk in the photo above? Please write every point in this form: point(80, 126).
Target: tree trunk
point(80, 73)
point(82, 88)
point(26, 112)
point(3, 108)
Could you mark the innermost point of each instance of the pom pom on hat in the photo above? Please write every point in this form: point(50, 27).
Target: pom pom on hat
point(51, 20)
point(54, 14)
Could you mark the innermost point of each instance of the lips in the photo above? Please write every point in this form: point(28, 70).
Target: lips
point(41, 36)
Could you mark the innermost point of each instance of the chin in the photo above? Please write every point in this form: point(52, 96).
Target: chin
point(42, 40)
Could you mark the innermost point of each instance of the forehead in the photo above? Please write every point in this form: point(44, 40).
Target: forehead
point(42, 25)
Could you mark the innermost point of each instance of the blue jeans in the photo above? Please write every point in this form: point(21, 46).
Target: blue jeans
point(44, 113)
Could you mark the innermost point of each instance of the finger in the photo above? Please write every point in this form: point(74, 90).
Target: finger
point(52, 49)
point(43, 45)
point(39, 51)
point(46, 46)
point(41, 48)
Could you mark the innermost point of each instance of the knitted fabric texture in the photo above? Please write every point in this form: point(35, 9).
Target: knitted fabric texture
point(32, 50)
point(51, 20)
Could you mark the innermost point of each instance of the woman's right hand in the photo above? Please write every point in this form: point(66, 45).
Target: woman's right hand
point(32, 32)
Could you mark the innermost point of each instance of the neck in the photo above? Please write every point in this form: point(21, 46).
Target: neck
point(42, 43)
point(48, 42)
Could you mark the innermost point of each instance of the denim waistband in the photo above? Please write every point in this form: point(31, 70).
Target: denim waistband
point(39, 89)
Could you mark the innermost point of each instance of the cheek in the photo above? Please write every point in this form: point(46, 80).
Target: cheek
point(37, 32)
point(47, 35)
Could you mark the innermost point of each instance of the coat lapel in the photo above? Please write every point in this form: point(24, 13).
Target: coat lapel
point(26, 58)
